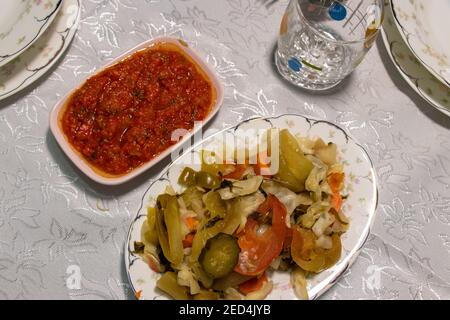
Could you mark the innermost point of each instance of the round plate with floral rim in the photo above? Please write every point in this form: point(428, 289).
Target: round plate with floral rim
point(416, 75)
point(22, 23)
point(43, 54)
point(360, 205)
point(424, 26)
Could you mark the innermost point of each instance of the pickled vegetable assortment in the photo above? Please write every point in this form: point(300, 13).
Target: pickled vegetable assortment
point(231, 228)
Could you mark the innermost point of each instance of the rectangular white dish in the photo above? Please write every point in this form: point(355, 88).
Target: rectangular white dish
point(94, 173)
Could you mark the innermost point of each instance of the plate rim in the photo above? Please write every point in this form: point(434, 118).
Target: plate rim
point(361, 240)
point(48, 21)
point(405, 35)
point(67, 40)
point(409, 79)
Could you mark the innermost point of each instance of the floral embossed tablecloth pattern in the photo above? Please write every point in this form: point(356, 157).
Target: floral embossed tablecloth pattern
point(54, 221)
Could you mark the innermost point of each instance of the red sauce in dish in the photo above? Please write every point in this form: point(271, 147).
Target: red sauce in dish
point(124, 116)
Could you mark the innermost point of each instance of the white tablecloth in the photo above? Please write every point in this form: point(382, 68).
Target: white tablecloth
point(54, 219)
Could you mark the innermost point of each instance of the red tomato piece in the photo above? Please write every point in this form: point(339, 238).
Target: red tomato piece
point(259, 249)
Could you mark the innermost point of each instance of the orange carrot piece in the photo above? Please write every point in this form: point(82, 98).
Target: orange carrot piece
point(191, 223)
point(259, 166)
point(138, 294)
point(336, 201)
point(239, 170)
point(335, 180)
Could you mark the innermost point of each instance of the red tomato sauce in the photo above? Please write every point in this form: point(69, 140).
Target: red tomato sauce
point(124, 116)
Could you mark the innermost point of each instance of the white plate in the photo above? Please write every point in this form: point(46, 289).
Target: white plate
point(22, 23)
point(359, 207)
point(424, 25)
point(82, 164)
point(43, 54)
point(415, 74)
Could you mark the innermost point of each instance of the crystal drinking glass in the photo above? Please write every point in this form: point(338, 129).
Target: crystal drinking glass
point(323, 41)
